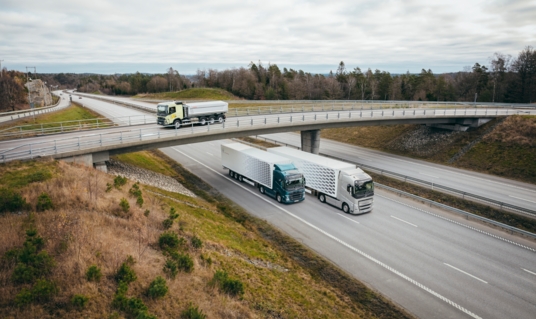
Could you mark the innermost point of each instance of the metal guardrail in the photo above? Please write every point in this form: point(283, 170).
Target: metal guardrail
point(30, 112)
point(433, 186)
point(75, 125)
point(458, 211)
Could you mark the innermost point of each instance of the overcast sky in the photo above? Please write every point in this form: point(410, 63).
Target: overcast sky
point(109, 36)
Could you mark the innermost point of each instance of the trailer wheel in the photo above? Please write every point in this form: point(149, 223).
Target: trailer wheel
point(322, 198)
point(279, 198)
point(211, 120)
point(345, 208)
point(261, 189)
point(220, 119)
point(230, 173)
point(241, 178)
point(203, 121)
point(177, 124)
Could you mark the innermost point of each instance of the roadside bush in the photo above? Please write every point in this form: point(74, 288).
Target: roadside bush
point(93, 273)
point(193, 313)
point(125, 206)
point(44, 202)
point(108, 187)
point(135, 190)
point(157, 288)
point(23, 298)
point(168, 241)
point(167, 223)
point(119, 181)
point(43, 290)
point(79, 301)
point(11, 201)
point(125, 274)
point(196, 242)
point(32, 263)
point(229, 286)
point(146, 213)
point(185, 262)
point(170, 268)
point(139, 201)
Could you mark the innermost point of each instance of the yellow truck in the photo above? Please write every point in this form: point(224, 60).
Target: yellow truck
point(177, 113)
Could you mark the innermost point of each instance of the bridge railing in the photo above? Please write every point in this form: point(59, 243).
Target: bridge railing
point(239, 125)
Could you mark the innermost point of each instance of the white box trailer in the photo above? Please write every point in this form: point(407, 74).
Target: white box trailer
point(177, 113)
point(338, 183)
point(272, 174)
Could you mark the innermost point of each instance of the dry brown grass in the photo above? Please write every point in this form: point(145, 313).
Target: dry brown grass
point(515, 130)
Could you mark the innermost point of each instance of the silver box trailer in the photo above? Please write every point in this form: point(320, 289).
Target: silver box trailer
point(177, 113)
point(338, 183)
point(272, 174)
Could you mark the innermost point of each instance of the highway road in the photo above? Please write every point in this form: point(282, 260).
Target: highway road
point(64, 102)
point(494, 187)
point(433, 264)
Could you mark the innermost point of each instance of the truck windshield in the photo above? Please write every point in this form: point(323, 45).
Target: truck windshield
point(161, 109)
point(363, 190)
point(293, 182)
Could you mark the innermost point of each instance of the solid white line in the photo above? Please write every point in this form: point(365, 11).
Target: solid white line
point(404, 221)
point(209, 153)
point(522, 199)
point(429, 175)
point(530, 272)
point(468, 274)
point(355, 221)
point(394, 271)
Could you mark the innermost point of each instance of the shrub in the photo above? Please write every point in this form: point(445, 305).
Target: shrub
point(172, 214)
point(108, 187)
point(157, 288)
point(206, 260)
point(79, 301)
point(196, 242)
point(44, 202)
point(139, 201)
point(93, 273)
point(43, 290)
point(168, 241)
point(32, 263)
point(125, 206)
point(23, 298)
point(125, 274)
point(11, 201)
point(146, 213)
point(167, 223)
point(229, 286)
point(185, 263)
point(193, 313)
point(170, 268)
point(119, 181)
point(135, 306)
point(135, 190)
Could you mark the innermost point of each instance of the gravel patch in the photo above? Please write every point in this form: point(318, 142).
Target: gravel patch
point(424, 141)
point(147, 177)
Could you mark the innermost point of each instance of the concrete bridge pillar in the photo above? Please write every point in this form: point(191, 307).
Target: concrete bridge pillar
point(310, 141)
point(97, 160)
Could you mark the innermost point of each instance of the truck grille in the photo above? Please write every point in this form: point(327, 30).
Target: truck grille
point(295, 196)
point(160, 121)
point(365, 205)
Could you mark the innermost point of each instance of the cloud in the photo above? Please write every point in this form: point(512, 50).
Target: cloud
point(392, 35)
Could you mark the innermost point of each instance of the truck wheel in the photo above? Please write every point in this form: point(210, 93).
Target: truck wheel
point(203, 121)
point(322, 198)
point(241, 178)
point(261, 189)
point(177, 124)
point(279, 198)
point(345, 208)
point(230, 173)
point(211, 120)
point(220, 119)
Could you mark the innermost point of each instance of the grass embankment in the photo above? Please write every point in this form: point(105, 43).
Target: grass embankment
point(504, 217)
point(508, 150)
point(191, 94)
point(226, 264)
point(81, 117)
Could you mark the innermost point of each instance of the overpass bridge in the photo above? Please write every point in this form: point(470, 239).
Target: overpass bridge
point(95, 146)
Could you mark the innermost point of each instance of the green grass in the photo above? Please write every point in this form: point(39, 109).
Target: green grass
point(192, 94)
point(19, 174)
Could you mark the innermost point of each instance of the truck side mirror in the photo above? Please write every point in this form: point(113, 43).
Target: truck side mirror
point(349, 188)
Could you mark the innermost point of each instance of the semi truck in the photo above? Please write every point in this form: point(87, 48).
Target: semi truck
point(274, 175)
point(337, 183)
point(177, 113)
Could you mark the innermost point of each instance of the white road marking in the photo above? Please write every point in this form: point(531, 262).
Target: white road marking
point(394, 271)
point(428, 175)
point(404, 221)
point(522, 199)
point(355, 221)
point(530, 272)
point(468, 274)
point(209, 153)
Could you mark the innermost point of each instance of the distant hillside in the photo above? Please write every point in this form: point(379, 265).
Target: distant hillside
point(191, 94)
point(501, 147)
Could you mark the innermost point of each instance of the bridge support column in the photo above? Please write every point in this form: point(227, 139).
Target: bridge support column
point(310, 141)
point(97, 160)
